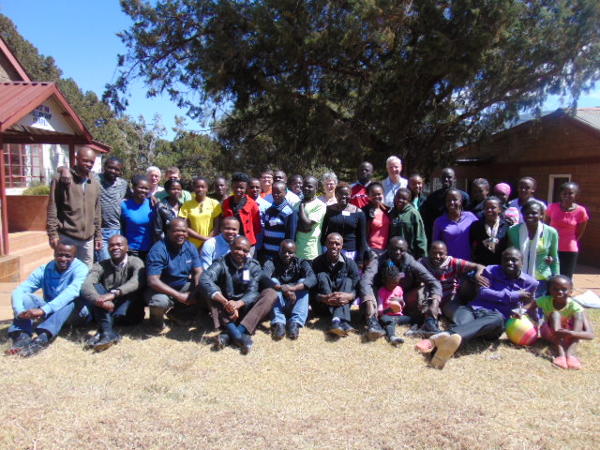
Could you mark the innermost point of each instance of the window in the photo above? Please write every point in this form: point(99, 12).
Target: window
point(23, 164)
point(554, 183)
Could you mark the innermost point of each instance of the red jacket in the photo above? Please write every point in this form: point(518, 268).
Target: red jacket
point(249, 217)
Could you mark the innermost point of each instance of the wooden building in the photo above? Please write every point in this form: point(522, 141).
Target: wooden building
point(555, 148)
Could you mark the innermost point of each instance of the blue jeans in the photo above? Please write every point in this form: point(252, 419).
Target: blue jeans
point(298, 312)
point(75, 312)
point(107, 233)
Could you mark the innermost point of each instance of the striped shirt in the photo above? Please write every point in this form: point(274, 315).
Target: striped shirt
point(280, 223)
point(111, 196)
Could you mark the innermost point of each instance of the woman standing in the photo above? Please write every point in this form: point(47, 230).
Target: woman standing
point(454, 226)
point(570, 220)
point(406, 222)
point(201, 213)
point(377, 215)
point(329, 182)
point(168, 208)
point(137, 217)
point(347, 220)
point(489, 234)
point(538, 244)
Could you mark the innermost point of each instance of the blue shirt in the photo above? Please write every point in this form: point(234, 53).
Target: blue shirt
point(214, 248)
point(173, 265)
point(136, 223)
point(60, 288)
point(503, 295)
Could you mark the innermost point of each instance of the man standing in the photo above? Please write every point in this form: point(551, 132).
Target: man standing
point(310, 219)
point(114, 289)
point(154, 175)
point(173, 271)
point(280, 223)
point(420, 287)
point(359, 194)
point(394, 181)
point(480, 191)
point(485, 316)
point(218, 246)
point(60, 281)
point(74, 209)
point(292, 199)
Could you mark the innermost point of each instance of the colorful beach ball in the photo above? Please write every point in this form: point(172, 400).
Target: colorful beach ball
point(521, 331)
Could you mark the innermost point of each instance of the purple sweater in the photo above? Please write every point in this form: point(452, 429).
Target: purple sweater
point(456, 235)
point(503, 293)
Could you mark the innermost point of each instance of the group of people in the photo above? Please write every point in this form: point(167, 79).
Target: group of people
point(271, 248)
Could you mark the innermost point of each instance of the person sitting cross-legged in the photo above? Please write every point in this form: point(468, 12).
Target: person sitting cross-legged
point(337, 279)
point(60, 281)
point(230, 288)
point(292, 278)
point(509, 288)
point(114, 289)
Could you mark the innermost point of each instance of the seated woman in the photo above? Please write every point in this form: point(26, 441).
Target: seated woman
point(406, 223)
point(292, 278)
point(137, 218)
point(168, 208)
point(565, 322)
point(202, 214)
point(347, 220)
point(538, 243)
point(489, 234)
point(378, 219)
point(454, 226)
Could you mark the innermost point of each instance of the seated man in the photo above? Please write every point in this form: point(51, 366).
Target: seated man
point(292, 279)
point(60, 281)
point(114, 289)
point(173, 271)
point(218, 246)
point(509, 288)
point(230, 288)
point(420, 287)
point(337, 279)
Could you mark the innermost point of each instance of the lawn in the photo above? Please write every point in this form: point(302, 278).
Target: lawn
point(172, 391)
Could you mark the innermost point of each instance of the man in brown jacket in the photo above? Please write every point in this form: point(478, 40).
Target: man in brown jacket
point(74, 209)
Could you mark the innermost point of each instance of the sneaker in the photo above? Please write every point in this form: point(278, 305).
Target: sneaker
point(374, 329)
point(277, 331)
point(446, 345)
point(20, 341)
point(222, 341)
point(336, 328)
point(293, 330)
point(35, 346)
point(246, 344)
point(107, 340)
point(395, 340)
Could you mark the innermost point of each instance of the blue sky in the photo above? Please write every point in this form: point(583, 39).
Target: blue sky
point(81, 36)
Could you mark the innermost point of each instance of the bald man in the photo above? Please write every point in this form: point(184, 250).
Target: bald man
point(74, 209)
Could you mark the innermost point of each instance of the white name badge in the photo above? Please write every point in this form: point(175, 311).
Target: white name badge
point(273, 222)
point(345, 213)
point(246, 275)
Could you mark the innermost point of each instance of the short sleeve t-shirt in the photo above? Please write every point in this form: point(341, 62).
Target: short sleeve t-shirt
point(174, 266)
point(568, 312)
point(201, 216)
point(307, 243)
point(384, 296)
point(566, 222)
point(379, 229)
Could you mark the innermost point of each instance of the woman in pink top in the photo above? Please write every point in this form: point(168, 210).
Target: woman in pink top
point(570, 220)
point(378, 219)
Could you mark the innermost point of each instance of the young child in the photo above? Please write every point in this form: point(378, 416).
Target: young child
point(390, 303)
point(565, 322)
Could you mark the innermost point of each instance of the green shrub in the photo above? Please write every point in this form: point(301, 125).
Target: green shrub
point(38, 189)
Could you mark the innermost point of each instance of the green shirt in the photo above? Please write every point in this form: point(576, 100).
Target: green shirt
point(569, 311)
point(186, 196)
point(307, 243)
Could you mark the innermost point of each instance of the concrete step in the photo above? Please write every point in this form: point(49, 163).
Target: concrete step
point(25, 239)
point(34, 253)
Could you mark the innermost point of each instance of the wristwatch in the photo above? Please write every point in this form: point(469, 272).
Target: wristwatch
point(115, 292)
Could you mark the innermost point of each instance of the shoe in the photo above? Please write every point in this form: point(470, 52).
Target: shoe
point(336, 328)
point(107, 340)
point(425, 346)
point(222, 341)
point(293, 330)
point(90, 341)
point(573, 363)
point(35, 346)
point(20, 341)
point(348, 328)
point(430, 326)
point(157, 319)
point(446, 345)
point(246, 344)
point(374, 329)
point(395, 340)
point(560, 362)
point(277, 331)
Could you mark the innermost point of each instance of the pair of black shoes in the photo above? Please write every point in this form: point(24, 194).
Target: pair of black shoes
point(25, 346)
point(278, 331)
point(102, 341)
point(245, 344)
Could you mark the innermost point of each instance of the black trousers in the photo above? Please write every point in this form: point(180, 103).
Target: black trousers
point(325, 285)
point(128, 310)
point(471, 323)
point(568, 262)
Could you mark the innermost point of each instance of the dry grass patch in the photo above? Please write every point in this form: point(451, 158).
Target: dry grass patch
point(172, 391)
